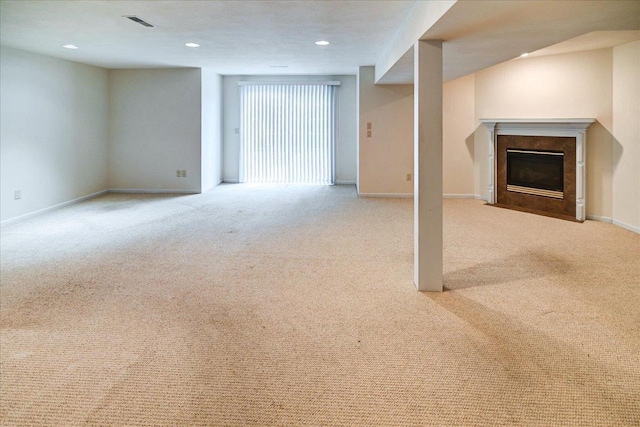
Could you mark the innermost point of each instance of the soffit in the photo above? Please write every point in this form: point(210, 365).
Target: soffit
point(480, 34)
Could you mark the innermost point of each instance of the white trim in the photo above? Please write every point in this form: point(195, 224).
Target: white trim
point(626, 226)
point(576, 128)
point(460, 196)
point(615, 222)
point(284, 82)
point(599, 218)
point(539, 125)
point(211, 187)
point(231, 181)
point(444, 196)
point(51, 208)
point(144, 191)
point(396, 195)
point(345, 182)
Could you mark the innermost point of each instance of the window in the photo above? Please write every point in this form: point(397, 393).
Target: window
point(287, 133)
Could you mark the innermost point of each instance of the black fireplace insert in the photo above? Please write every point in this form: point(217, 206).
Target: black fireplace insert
point(534, 169)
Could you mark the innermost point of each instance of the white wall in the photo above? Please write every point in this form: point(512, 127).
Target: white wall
point(385, 158)
point(155, 128)
point(626, 132)
point(346, 117)
point(211, 151)
point(54, 131)
point(458, 126)
point(577, 85)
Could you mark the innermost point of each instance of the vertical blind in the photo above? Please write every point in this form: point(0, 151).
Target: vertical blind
point(287, 133)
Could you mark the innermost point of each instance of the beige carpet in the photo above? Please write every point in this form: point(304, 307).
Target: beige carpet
point(258, 306)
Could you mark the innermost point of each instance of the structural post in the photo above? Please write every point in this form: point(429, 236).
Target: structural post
point(427, 165)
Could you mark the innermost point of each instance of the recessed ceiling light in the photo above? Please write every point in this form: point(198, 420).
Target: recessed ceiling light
point(322, 42)
point(192, 44)
point(524, 55)
point(70, 46)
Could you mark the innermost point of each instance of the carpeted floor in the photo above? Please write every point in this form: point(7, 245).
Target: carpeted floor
point(258, 306)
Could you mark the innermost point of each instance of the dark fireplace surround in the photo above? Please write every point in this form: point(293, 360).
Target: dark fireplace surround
point(538, 165)
point(528, 162)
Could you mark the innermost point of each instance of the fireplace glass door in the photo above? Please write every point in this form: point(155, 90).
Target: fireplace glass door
point(540, 173)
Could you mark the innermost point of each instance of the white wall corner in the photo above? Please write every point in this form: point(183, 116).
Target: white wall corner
point(422, 16)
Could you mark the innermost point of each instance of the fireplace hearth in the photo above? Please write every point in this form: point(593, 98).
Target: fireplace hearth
point(538, 166)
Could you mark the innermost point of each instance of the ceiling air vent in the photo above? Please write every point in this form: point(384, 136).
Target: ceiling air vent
point(139, 20)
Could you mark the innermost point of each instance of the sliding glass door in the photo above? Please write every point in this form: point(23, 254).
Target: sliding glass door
point(287, 133)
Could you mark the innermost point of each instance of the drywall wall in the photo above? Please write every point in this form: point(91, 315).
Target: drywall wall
point(423, 16)
point(577, 85)
point(155, 129)
point(385, 158)
point(54, 132)
point(211, 148)
point(346, 121)
point(626, 133)
point(458, 137)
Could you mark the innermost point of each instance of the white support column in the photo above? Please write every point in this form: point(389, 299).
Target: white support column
point(427, 165)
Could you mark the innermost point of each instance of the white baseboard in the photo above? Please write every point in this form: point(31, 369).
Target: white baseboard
point(444, 196)
point(338, 182)
point(599, 218)
point(210, 187)
point(626, 226)
point(144, 191)
point(52, 208)
point(91, 196)
point(397, 195)
point(615, 222)
point(460, 196)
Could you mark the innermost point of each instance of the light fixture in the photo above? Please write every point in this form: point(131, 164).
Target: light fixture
point(70, 46)
point(322, 43)
point(190, 44)
point(524, 55)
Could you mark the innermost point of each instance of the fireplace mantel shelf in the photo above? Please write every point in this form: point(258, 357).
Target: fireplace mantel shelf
point(559, 124)
point(571, 127)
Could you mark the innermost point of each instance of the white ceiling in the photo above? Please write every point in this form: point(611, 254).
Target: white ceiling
point(590, 41)
point(480, 34)
point(236, 37)
point(247, 37)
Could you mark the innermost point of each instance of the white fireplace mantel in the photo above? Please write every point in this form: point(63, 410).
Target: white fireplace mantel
point(576, 128)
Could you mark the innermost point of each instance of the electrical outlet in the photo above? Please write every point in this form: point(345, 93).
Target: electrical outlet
point(368, 134)
point(236, 130)
point(368, 125)
point(17, 195)
point(408, 178)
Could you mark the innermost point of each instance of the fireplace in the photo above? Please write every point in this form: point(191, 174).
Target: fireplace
point(536, 172)
point(538, 166)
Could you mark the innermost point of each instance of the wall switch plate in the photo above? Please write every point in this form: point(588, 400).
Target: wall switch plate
point(178, 173)
point(368, 125)
point(368, 134)
point(236, 130)
point(408, 178)
point(17, 195)
point(183, 173)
